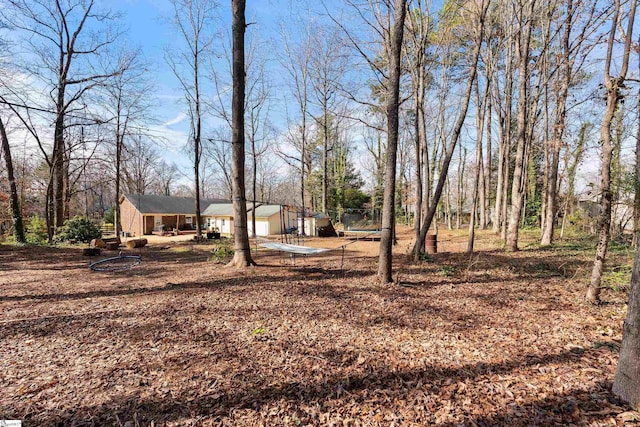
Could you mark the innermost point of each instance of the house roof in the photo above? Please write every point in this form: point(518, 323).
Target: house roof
point(154, 204)
point(221, 209)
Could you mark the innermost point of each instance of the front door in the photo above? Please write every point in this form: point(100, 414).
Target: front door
point(148, 225)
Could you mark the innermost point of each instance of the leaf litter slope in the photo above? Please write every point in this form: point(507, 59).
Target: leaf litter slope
point(490, 339)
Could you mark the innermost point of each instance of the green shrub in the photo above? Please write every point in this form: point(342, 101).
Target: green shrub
point(223, 252)
point(109, 215)
point(79, 229)
point(36, 230)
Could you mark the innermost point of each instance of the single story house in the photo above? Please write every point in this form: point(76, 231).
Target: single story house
point(146, 214)
point(142, 214)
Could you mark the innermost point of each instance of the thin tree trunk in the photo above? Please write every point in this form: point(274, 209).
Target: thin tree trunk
point(636, 204)
point(242, 256)
point(613, 96)
point(460, 187)
point(16, 212)
point(488, 163)
point(254, 165)
point(325, 162)
point(119, 145)
point(571, 174)
point(418, 147)
point(479, 166)
point(417, 252)
point(517, 188)
point(197, 138)
point(551, 202)
point(504, 150)
point(393, 101)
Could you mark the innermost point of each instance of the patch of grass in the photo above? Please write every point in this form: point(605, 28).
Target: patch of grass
point(222, 252)
point(258, 331)
point(617, 278)
point(447, 270)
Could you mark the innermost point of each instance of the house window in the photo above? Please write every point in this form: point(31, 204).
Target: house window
point(222, 223)
point(188, 220)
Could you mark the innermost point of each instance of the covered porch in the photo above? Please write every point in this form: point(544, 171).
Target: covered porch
point(169, 224)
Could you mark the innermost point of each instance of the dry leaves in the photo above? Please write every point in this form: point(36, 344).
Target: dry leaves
point(495, 339)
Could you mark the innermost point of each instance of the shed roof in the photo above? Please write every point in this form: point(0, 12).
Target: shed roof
point(266, 211)
point(226, 209)
point(154, 204)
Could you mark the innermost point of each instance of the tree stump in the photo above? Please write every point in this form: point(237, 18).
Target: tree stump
point(97, 243)
point(136, 243)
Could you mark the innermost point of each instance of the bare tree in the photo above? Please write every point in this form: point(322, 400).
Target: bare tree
point(613, 87)
point(193, 19)
point(523, 41)
point(418, 33)
point(167, 174)
point(124, 100)
point(75, 33)
point(385, 261)
point(258, 129)
point(242, 256)
point(139, 162)
point(327, 67)
point(481, 109)
point(217, 151)
point(16, 211)
point(296, 61)
point(14, 200)
point(573, 51)
point(479, 20)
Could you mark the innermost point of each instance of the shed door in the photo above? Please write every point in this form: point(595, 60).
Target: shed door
point(262, 227)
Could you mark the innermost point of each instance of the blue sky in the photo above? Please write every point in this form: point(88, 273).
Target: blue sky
point(146, 22)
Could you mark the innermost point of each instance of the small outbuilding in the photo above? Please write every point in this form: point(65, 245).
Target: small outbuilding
point(270, 219)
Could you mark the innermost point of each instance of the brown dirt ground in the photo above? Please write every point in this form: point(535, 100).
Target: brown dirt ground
point(488, 339)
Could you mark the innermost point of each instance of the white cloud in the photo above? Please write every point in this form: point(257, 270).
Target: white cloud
point(179, 118)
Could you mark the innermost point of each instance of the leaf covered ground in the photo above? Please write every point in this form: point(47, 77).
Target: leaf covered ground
point(490, 339)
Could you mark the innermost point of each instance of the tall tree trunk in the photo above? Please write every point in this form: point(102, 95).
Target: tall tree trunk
point(627, 380)
point(418, 147)
point(636, 204)
point(119, 145)
point(58, 157)
point(254, 165)
point(612, 86)
point(325, 162)
point(504, 149)
point(385, 260)
point(58, 174)
point(479, 167)
point(551, 202)
point(197, 142)
point(242, 257)
point(16, 212)
point(302, 166)
point(518, 184)
point(488, 163)
point(571, 174)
